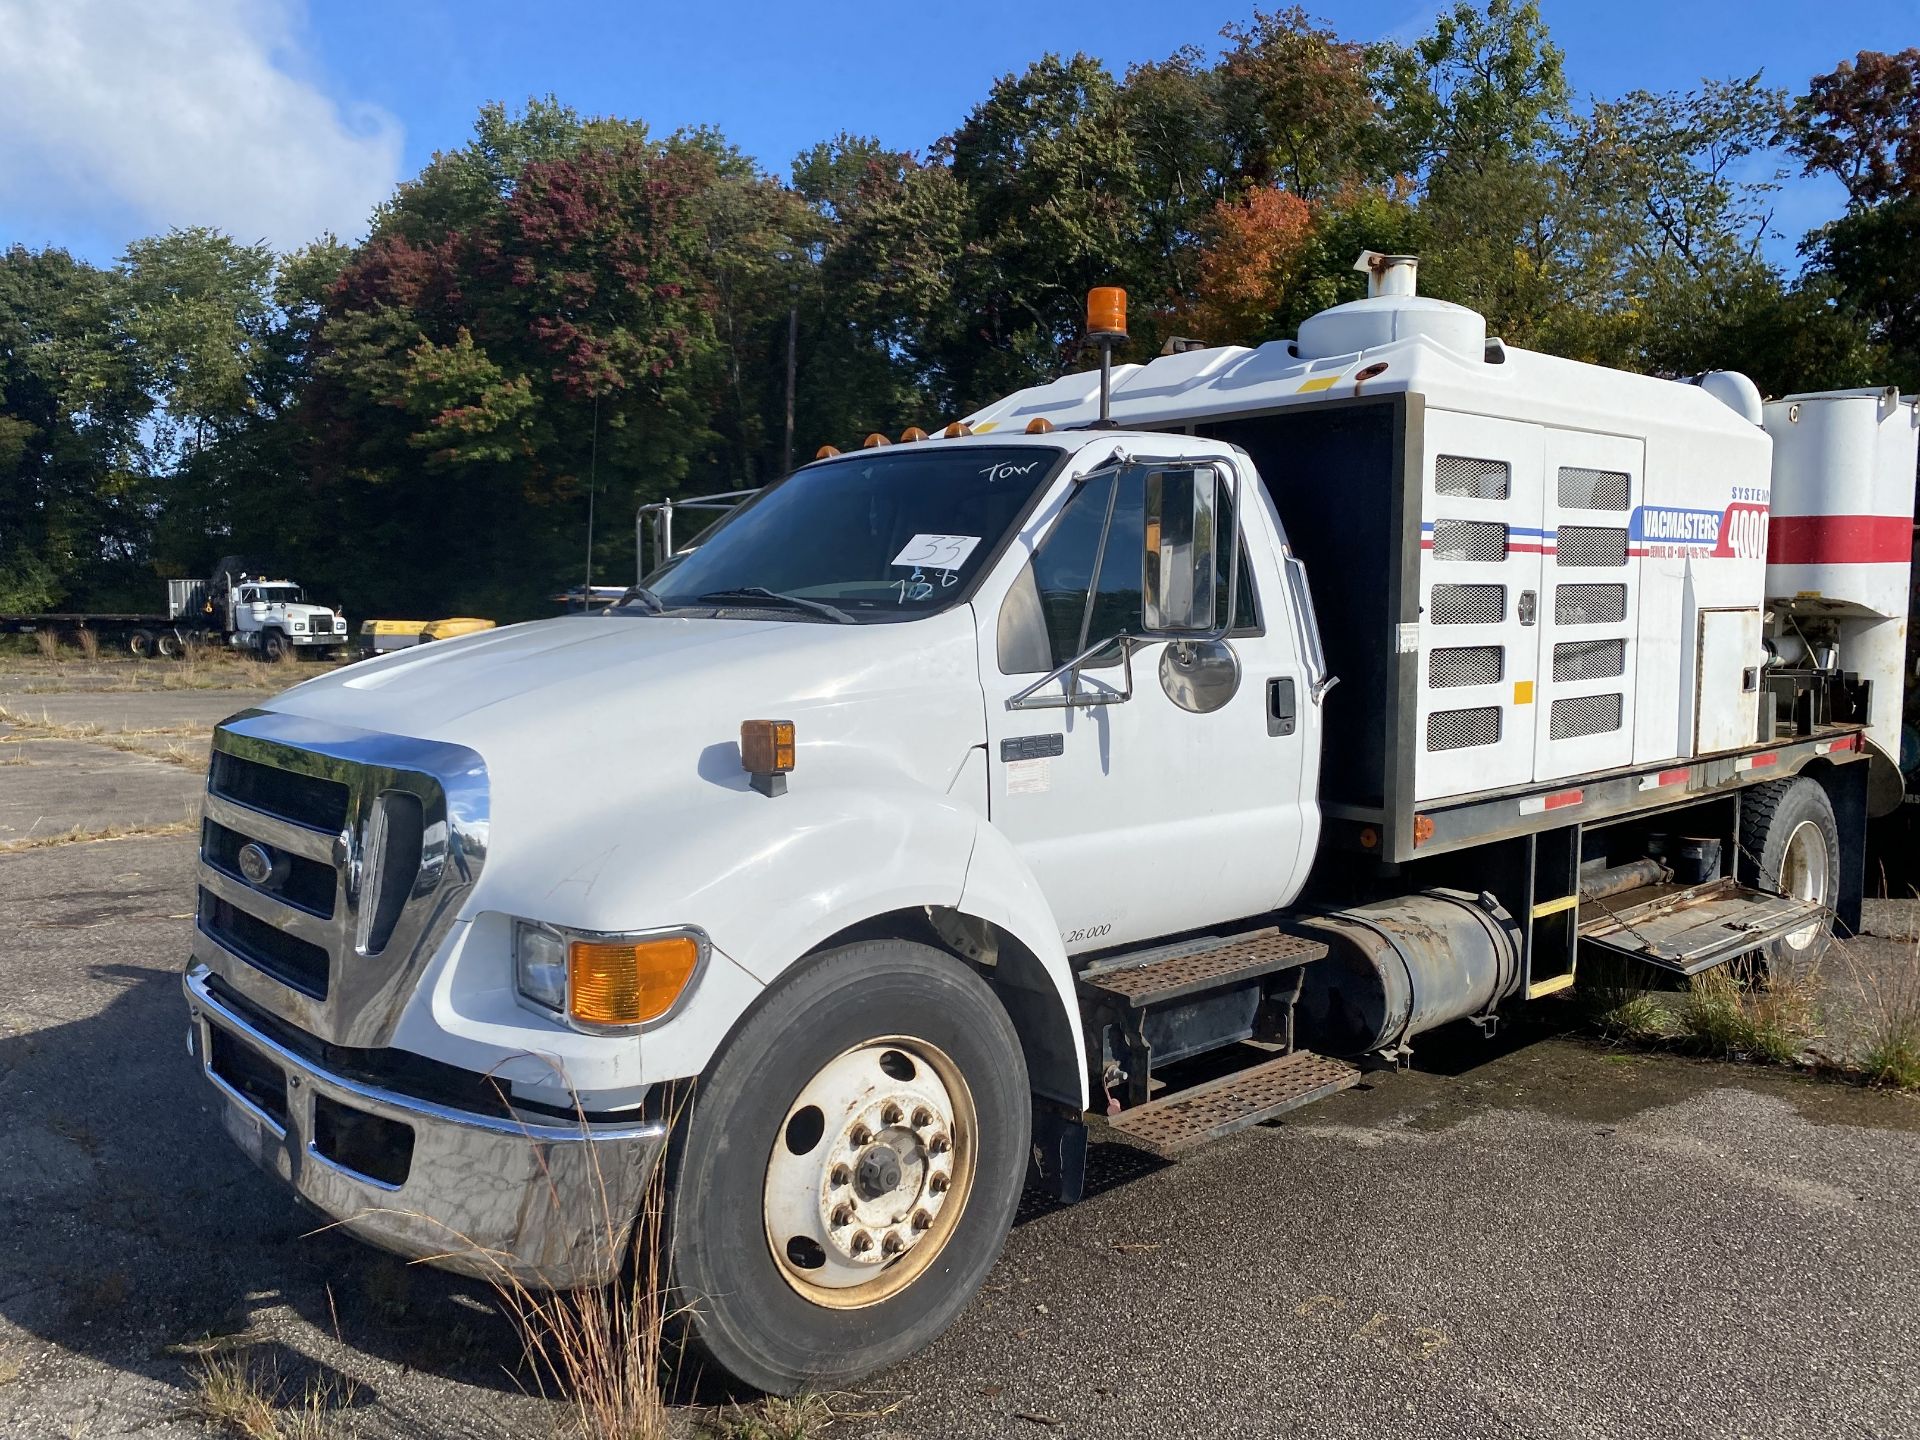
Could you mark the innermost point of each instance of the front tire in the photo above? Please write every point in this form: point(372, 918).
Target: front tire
point(850, 1168)
point(1789, 842)
point(273, 645)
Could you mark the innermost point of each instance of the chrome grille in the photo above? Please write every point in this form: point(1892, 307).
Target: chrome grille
point(1589, 659)
point(1475, 479)
point(1589, 604)
point(1469, 604)
point(1584, 715)
point(1582, 489)
point(1591, 545)
point(364, 845)
point(1466, 665)
point(1460, 729)
point(1469, 540)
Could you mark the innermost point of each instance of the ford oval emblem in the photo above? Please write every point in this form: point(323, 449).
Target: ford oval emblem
point(256, 863)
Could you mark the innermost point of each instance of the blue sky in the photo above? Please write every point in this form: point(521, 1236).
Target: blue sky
point(275, 119)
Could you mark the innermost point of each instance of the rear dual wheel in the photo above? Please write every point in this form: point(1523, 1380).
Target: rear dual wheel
point(850, 1168)
point(1790, 842)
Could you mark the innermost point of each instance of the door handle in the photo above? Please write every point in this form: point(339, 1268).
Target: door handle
point(1528, 600)
point(1282, 710)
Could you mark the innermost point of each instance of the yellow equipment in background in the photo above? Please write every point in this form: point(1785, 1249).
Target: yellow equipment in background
point(378, 637)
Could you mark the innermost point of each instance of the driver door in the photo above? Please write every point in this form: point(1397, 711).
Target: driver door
point(1141, 818)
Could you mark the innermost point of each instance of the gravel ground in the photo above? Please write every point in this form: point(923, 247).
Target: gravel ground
point(1538, 1237)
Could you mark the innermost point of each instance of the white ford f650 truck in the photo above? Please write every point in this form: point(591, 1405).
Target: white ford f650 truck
point(1271, 706)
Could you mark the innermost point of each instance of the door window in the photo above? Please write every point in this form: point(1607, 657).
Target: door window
point(1047, 619)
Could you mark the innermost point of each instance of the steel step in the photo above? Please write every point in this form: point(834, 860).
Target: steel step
point(1198, 966)
point(1178, 1122)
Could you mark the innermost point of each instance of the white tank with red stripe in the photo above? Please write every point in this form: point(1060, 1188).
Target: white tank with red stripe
point(1840, 538)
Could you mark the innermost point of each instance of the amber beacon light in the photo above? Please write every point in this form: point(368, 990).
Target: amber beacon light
point(766, 754)
point(1106, 313)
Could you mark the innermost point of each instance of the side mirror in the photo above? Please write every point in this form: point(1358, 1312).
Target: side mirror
point(1180, 566)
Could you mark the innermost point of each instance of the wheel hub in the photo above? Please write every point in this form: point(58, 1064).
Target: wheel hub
point(876, 1150)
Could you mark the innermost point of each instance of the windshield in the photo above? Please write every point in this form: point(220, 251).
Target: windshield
point(280, 594)
point(884, 535)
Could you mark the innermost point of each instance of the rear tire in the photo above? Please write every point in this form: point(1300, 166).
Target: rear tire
point(167, 645)
point(140, 645)
point(1789, 842)
point(885, 1233)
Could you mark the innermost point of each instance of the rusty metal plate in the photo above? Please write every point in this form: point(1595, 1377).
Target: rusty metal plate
point(1211, 968)
point(1219, 1107)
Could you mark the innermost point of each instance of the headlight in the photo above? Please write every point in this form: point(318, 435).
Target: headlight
point(598, 981)
point(299, 624)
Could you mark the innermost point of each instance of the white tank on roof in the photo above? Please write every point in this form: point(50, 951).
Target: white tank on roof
point(1392, 311)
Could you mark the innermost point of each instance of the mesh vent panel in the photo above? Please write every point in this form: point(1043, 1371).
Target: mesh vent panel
point(1589, 659)
point(1593, 489)
point(1466, 665)
point(1469, 604)
point(1584, 715)
point(1589, 604)
point(1460, 729)
point(1477, 479)
point(1469, 540)
point(1590, 545)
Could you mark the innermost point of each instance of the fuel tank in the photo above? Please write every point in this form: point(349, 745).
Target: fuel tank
point(1399, 967)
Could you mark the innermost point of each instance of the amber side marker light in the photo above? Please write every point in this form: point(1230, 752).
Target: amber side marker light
point(628, 982)
point(911, 434)
point(766, 754)
point(956, 430)
point(873, 440)
point(826, 452)
point(1422, 829)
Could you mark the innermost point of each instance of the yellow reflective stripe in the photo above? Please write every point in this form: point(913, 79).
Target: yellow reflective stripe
point(1554, 907)
point(1319, 382)
point(1552, 985)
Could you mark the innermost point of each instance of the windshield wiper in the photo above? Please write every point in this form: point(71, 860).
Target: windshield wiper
point(797, 602)
point(644, 598)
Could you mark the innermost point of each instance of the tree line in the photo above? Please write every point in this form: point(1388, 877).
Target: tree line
point(569, 312)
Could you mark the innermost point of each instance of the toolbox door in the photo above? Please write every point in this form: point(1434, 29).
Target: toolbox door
point(1478, 633)
point(1590, 604)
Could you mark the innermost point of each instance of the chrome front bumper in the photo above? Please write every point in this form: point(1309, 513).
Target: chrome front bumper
point(545, 1205)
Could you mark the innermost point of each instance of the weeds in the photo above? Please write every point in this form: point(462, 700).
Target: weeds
point(239, 1399)
point(1609, 1002)
point(89, 643)
point(47, 642)
point(1890, 1050)
point(1728, 1015)
point(773, 1418)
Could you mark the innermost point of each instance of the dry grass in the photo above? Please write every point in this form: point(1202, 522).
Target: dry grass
point(773, 1418)
point(1890, 1053)
point(238, 1398)
point(47, 642)
point(88, 641)
point(1610, 1002)
point(1733, 1012)
point(52, 729)
point(81, 835)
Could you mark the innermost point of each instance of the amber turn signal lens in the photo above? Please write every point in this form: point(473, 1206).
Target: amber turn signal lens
point(766, 746)
point(628, 982)
point(1422, 829)
point(1107, 311)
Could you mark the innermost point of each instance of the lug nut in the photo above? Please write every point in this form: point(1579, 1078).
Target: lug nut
point(860, 1135)
point(840, 1175)
point(937, 1184)
point(861, 1243)
point(922, 1118)
point(842, 1215)
point(892, 1245)
point(890, 1115)
point(937, 1145)
point(922, 1220)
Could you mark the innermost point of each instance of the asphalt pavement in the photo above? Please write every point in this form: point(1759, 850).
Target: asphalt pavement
point(1537, 1237)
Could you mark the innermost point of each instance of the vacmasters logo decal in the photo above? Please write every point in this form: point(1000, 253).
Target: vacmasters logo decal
point(1739, 531)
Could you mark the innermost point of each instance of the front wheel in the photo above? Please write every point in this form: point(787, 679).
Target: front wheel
point(273, 645)
point(850, 1168)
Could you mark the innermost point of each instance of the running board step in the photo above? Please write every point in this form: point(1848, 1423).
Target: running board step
point(1177, 1123)
point(1139, 983)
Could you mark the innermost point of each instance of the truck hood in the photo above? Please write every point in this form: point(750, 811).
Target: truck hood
point(565, 703)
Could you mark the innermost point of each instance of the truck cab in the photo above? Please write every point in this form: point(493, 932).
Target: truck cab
point(272, 617)
point(955, 799)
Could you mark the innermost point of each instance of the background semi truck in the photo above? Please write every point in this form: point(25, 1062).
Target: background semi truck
point(1146, 755)
point(238, 606)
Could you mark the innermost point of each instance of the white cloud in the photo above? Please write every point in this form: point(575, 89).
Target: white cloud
point(122, 117)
